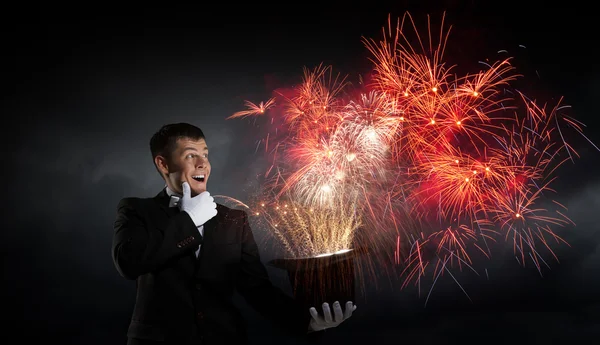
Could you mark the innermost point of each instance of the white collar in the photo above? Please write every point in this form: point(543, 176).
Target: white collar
point(171, 192)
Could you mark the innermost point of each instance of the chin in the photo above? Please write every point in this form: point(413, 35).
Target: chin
point(199, 187)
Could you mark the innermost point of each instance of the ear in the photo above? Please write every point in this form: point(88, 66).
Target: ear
point(161, 164)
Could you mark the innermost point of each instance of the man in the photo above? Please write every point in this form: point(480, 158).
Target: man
point(188, 254)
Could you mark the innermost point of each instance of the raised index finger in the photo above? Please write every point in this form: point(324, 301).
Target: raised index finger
point(314, 314)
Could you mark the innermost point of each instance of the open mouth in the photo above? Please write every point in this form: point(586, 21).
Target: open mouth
point(199, 178)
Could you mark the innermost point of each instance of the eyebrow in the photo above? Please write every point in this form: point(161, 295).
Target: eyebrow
point(194, 149)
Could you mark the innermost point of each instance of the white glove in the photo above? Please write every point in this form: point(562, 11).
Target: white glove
point(201, 208)
point(318, 323)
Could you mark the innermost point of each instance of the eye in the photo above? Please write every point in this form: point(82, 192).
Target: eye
point(191, 155)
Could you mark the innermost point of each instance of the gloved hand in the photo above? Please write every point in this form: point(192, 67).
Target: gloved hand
point(201, 208)
point(318, 323)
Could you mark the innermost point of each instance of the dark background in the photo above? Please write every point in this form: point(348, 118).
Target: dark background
point(86, 86)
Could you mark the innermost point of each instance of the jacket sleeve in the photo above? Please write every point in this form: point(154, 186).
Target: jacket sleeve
point(139, 247)
point(255, 286)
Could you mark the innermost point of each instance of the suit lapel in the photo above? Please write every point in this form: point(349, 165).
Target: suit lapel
point(162, 198)
point(209, 230)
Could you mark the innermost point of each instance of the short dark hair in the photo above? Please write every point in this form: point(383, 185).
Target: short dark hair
point(164, 141)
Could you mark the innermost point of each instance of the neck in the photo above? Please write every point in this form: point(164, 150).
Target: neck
point(170, 192)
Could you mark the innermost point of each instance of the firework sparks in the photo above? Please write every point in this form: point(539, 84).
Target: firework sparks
point(312, 232)
point(421, 149)
point(254, 109)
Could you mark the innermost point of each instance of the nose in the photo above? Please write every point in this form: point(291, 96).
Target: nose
point(200, 162)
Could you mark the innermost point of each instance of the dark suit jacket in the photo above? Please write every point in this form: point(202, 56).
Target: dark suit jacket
point(181, 299)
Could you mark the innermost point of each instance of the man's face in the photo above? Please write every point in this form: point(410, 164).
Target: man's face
point(188, 163)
